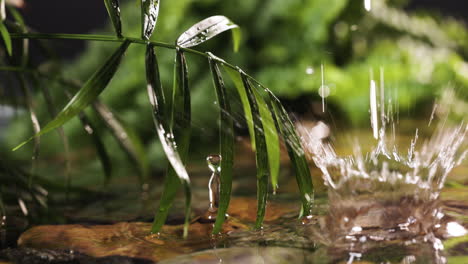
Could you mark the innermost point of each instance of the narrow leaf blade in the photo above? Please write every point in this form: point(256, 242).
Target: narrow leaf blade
point(149, 17)
point(261, 156)
point(207, 29)
point(271, 138)
point(161, 122)
point(226, 138)
point(180, 126)
point(296, 154)
point(271, 133)
point(113, 10)
point(87, 94)
point(6, 38)
point(236, 79)
point(156, 95)
point(126, 137)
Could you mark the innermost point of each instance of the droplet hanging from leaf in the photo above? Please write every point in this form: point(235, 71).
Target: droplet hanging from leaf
point(226, 142)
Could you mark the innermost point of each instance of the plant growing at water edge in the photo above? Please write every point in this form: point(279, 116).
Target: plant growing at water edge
point(265, 116)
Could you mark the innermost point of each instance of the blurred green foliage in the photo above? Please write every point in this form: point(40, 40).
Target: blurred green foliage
point(284, 44)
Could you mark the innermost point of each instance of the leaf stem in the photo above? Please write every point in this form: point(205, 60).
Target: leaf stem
point(107, 38)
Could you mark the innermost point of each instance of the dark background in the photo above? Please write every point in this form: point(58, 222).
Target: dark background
point(67, 16)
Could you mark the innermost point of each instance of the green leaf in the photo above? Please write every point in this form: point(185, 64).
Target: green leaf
point(296, 154)
point(126, 137)
point(207, 29)
point(87, 94)
point(181, 129)
point(6, 37)
point(261, 155)
point(271, 134)
point(149, 17)
point(156, 96)
point(161, 122)
point(113, 10)
point(236, 79)
point(226, 142)
point(271, 138)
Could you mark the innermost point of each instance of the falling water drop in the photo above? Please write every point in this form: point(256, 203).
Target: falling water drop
point(368, 5)
point(373, 108)
point(214, 164)
point(309, 70)
point(322, 89)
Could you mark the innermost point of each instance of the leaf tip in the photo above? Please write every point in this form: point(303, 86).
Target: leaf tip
point(21, 145)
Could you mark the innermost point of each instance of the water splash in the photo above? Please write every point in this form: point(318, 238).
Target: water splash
point(426, 166)
point(385, 193)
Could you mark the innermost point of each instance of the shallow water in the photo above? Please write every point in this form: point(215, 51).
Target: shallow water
point(360, 221)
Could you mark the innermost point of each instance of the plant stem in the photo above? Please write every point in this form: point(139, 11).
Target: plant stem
point(106, 38)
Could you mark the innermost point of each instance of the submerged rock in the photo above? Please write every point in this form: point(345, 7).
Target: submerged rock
point(133, 239)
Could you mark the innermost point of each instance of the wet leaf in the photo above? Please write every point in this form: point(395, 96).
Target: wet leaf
point(296, 154)
point(6, 37)
point(156, 96)
point(207, 29)
point(226, 141)
point(87, 94)
point(166, 137)
point(126, 137)
point(261, 155)
point(181, 128)
point(271, 134)
point(236, 79)
point(271, 138)
point(113, 10)
point(149, 17)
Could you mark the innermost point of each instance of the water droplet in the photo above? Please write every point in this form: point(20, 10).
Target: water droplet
point(306, 219)
point(309, 70)
point(324, 91)
point(454, 229)
point(214, 163)
point(368, 5)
